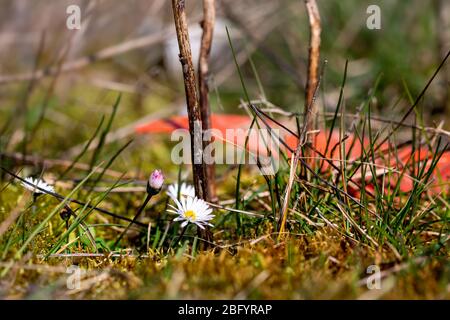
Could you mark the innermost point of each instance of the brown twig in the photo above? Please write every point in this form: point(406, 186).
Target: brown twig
point(209, 17)
point(313, 68)
point(194, 113)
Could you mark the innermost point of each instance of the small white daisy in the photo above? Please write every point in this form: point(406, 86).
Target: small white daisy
point(186, 190)
point(192, 210)
point(37, 183)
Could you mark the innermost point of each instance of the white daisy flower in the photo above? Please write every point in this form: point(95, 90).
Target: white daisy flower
point(37, 183)
point(192, 210)
point(186, 190)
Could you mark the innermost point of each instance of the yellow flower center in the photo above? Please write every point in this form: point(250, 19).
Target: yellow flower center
point(190, 214)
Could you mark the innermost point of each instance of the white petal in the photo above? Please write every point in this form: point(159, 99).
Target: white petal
point(200, 226)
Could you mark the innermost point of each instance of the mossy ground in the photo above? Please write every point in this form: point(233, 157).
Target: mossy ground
point(320, 267)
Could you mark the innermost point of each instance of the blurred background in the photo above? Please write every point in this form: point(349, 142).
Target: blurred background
point(56, 83)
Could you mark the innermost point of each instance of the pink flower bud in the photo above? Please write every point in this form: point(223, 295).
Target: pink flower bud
point(155, 182)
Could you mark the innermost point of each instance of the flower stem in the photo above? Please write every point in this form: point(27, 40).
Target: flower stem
point(144, 204)
point(181, 236)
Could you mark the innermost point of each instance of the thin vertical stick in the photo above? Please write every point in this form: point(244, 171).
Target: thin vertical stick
point(442, 9)
point(194, 114)
point(310, 113)
point(209, 17)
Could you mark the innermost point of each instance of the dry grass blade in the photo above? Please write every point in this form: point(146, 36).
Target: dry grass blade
point(284, 209)
point(354, 224)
